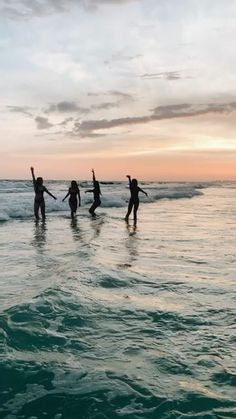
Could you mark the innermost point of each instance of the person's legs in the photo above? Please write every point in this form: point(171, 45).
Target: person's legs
point(136, 205)
point(36, 210)
point(130, 206)
point(42, 207)
point(73, 208)
point(94, 206)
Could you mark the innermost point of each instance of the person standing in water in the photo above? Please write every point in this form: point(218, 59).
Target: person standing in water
point(134, 198)
point(73, 202)
point(39, 189)
point(96, 193)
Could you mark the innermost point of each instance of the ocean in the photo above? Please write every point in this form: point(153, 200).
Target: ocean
point(100, 318)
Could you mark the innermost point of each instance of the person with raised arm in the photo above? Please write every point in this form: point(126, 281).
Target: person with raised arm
point(39, 189)
point(96, 193)
point(134, 198)
point(73, 202)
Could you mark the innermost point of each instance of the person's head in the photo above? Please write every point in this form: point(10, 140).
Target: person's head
point(134, 182)
point(74, 184)
point(39, 181)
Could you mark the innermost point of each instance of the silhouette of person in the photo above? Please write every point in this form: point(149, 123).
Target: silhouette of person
point(96, 193)
point(73, 202)
point(134, 198)
point(39, 189)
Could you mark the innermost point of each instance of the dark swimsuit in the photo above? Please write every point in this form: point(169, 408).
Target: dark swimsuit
point(39, 201)
point(134, 199)
point(39, 190)
point(73, 202)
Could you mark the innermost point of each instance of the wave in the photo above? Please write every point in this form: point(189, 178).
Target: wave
point(17, 196)
point(177, 194)
point(64, 355)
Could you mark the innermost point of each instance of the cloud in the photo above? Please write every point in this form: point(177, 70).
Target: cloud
point(72, 107)
point(20, 109)
point(42, 123)
point(171, 109)
point(168, 75)
point(66, 121)
point(183, 110)
point(121, 95)
point(66, 107)
point(120, 57)
point(92, 125)
point(104, 106)
point(26, 9)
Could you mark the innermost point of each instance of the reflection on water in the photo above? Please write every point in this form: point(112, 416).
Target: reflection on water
point(131, 228)
point(40, 236)
point(96, 224)
point(131, 242)
point(76, 231)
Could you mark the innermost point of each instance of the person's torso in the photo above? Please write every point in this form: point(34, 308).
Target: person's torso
point(39, 190)
point(73, 194)
point(96, 194)
point(134, 190)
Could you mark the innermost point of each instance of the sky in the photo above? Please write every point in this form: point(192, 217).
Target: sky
point(140, 87)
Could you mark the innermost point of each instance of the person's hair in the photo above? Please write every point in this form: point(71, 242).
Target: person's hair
point(74, 184)
point(39, 181)
point(134, 182)
point(97, 186)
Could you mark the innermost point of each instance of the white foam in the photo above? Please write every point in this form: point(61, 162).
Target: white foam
point(17, 197)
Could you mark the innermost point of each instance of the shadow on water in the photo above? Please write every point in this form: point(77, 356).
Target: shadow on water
point(40, 235)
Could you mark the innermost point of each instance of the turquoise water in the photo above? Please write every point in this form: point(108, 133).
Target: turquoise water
point(100, 319)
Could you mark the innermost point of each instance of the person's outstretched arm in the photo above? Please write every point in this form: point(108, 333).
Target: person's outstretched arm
point(128, 176)
point(141, 190)
point(33, 176)
point(68, 193)
point(49, 193)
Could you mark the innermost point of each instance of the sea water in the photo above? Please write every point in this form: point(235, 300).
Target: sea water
point(100, 318)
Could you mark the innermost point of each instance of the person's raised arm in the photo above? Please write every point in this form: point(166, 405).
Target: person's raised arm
point(128, 176)
point(49, 193)
point(33, 176)
point(94, 178)
point(68, 193)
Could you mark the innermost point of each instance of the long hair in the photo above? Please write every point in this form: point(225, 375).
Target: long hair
point(134, 183)
point(74, 185)
point(39, 182)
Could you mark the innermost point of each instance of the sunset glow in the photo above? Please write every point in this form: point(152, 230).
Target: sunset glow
point(144, 87)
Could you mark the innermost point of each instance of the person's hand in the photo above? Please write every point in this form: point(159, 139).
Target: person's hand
point(32, 169)
point(55, 198)
point(93, 171)
point(63, 200)
point(128, 176)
